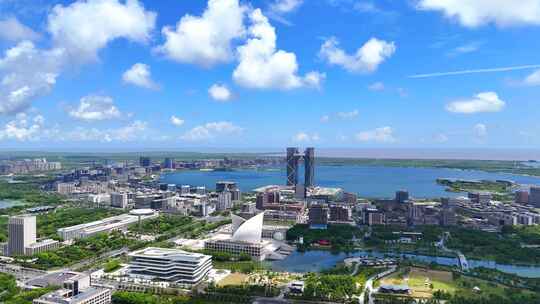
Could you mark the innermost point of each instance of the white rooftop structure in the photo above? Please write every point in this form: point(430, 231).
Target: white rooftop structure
point(249, 231)
point(171, 265)
point(120, 222)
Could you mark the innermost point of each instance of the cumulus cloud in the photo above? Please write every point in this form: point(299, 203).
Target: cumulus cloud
point(348, 115)
point(365, 60)
point(532, 79)
point(27, 73)
point(95, 108)
point(376, 86)
point(131, 132)
point(211, 130)
point(479, 12)
point(220, 92)
point(79, 31)
point(23, 128)
point(177, 121)
point(381, 135)
point(205, 40)
point(481, 102)
point(285, 6)
point(303, 137)
point(262, 66)
point(325, 118)
point(12, 30)
point(441, 138)
point(139, 74)
point(480, 130)
point(85, 27)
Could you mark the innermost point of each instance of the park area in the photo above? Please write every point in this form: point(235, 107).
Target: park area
point(422, 282)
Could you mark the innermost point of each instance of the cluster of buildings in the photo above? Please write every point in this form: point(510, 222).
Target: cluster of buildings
point(28, 165)
point(75, 288)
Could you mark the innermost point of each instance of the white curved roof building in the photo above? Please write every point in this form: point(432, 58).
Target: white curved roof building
point(249, 231)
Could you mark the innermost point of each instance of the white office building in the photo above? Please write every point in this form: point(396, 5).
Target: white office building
point(224, 201)
point(115, 223)
point(119, 200)
point(171, 265)
point(22, 233)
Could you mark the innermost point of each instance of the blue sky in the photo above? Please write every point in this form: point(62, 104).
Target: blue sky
point(109, 74)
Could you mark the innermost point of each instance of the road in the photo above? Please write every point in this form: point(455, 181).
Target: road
point(463, 264)
point(21, 273)
point(368, 287)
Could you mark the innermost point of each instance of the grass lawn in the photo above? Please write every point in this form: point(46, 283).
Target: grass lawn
point(419, 280)
point(233, 279)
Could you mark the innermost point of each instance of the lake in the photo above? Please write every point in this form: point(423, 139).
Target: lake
point(317, 260)
point(367, 181)
point(8, 203)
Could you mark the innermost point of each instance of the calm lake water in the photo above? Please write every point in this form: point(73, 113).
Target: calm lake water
point(8, 203)
point(317, 260)
point(367, 181)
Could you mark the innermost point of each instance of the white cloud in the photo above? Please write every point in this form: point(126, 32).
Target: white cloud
point(376, 86)
point(480, 130)
point(533, 79)
point(481, 102)
point(305, 137)
point(348, 115)
point(479, 12)
point(262, 66)
point(25, 74)
point(285, 6)
point(23, 128)
point(464, 49)
point(85, 27)
point(95, 108)
point(365, 60)
point(12, 30)
point(205, 40)
point(177, 121)
point(79, 31)
point(381, 135)
point(441, 138)
point(132, 132)
point(139, 74)
point(220, 92)
point(325, 118)
point(211, 130)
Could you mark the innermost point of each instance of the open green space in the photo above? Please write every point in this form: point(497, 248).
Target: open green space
point(48, 224)
point(340, 236)
point(29, 193)
point(453, 288)
point(83, 249)
point(168, 226)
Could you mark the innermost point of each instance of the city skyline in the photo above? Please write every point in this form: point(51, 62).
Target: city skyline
point(381, 74)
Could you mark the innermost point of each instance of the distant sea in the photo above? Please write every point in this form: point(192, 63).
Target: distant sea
point(367, 181)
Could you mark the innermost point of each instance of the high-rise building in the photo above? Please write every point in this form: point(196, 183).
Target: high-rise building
point(168, 163)
point(402, 196)
point(224, 201)
point(225, 186)
point(372, 216)
point(293, 158)
point(534, 196)
point(144, 161)
point(318, 216)
point(265, 198)
point(309, 165)
point(119, 200)
point(340, 213)
point(292, 166)
point(522, 197)
point(22, 233)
